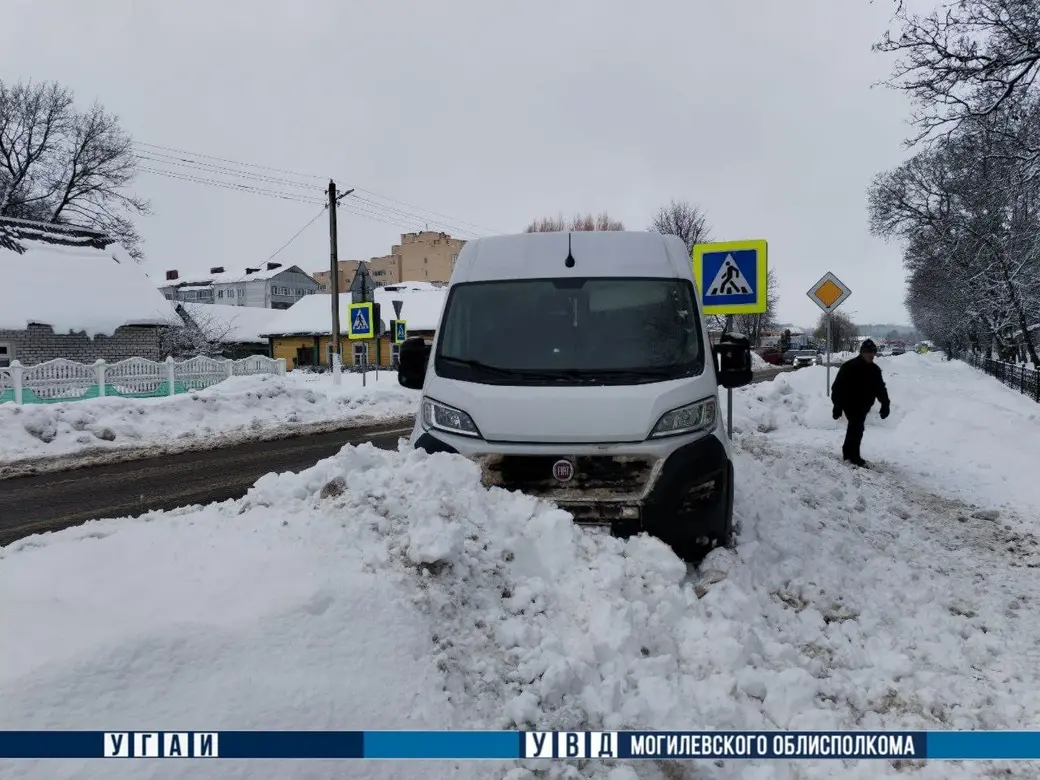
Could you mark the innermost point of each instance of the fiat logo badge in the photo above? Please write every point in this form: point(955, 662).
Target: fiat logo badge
point(563, 470)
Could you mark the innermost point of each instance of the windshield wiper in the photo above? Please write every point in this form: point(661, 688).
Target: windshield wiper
point(500, 370)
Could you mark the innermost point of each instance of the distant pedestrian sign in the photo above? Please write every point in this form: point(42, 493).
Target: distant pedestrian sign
point(399, 330)
point(360, 321)
point(829, 293)
point(731, 276)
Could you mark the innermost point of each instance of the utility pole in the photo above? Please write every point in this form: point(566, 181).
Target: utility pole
point(336, 355)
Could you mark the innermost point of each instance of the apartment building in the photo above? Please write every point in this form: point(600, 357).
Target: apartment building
point(426, 256)
point(268, 286)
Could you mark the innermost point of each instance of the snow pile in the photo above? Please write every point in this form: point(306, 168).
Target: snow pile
point(758, 364)
point(237, 409)
point(389, 590)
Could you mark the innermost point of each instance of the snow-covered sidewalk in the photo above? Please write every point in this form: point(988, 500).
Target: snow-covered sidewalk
point(389, 590)
point(239, 409)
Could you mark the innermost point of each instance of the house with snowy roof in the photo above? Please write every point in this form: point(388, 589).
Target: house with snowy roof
point(304, 335)
point(69, 292)
point(228, 331)
point(268, 285)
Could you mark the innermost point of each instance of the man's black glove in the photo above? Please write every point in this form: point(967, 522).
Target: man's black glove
point(836, 413)
point(884, 411)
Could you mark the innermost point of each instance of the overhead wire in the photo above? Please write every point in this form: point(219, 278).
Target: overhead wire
point(231, 185)
point(373, 209)
point(298, 233)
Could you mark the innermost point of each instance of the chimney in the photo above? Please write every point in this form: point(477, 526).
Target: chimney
point(272, 266)
point(217, 269)
point(252, 271)
point(171, 276)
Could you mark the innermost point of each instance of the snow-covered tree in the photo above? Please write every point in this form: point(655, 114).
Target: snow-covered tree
point(65, 166)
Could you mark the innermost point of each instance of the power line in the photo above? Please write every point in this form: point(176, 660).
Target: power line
point(419, 217)
point(420, 208)
point(298, 233)
point(231, 185)
point(149, 151)
point(181, 162)
point(232, 162)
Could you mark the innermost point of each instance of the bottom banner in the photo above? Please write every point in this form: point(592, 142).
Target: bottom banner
point(513, 745)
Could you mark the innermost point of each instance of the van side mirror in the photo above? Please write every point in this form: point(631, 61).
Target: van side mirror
point(412, 362)
point(733, 360)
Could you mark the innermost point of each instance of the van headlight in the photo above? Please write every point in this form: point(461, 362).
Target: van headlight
point(447, 418)
point(698, 416)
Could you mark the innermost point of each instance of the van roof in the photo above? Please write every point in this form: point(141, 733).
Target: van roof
point(596, 253)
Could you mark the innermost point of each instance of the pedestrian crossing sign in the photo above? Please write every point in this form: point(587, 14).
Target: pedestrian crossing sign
point(398, 330)
point(732, 276)
point(359, 321)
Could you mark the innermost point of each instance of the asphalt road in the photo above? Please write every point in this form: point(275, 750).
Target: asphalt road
point(50, 502)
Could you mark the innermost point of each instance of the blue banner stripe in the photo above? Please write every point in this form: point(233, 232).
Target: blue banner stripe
point(984, 744)
point(443, 744)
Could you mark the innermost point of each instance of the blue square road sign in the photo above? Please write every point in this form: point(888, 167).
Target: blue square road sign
point(731, 277)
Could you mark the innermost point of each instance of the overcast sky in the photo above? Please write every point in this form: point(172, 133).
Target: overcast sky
point(492, 113)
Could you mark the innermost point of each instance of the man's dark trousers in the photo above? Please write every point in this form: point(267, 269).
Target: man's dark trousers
point(853, 435)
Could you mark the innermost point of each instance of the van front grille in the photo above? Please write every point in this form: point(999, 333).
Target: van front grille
point(536, 474)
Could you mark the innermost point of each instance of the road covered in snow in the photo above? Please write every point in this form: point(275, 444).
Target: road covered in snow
point(390, 590)
point(240, 409)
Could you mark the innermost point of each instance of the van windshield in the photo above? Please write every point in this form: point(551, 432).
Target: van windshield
point(570, 331)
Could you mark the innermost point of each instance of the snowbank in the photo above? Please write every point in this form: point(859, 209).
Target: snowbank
point(758, 364)
point(389, 590)
point(237, 409)
point(952, 428)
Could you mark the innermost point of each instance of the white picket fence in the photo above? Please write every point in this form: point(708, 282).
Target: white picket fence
point(136, 377)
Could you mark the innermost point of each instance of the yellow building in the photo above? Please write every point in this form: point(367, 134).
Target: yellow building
point(427, 256)
point(303, 336)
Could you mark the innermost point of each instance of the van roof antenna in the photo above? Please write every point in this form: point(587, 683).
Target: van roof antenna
point(569, 262)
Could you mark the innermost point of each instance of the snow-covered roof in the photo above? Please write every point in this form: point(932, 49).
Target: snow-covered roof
point(73, 280)
point(312, 314)
point(232, 276)
point(234, 324)
point(421, 306)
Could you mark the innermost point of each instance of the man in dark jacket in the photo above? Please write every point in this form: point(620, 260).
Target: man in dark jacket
point(858, 384)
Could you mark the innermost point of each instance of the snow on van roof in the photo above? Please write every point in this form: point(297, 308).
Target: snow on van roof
point(421, 309)
point(73, 280)
point(235, 324)
point(596, 253)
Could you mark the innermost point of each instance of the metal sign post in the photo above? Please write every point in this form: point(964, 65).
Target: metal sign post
point(829, 293)
point(729, 412)
point(732, 278)
point(828, 388)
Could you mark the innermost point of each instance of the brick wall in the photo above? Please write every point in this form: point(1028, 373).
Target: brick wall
point(40, 343)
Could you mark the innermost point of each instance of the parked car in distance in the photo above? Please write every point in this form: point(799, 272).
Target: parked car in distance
point(806, 357)
point(899, 348)
point(771, 355)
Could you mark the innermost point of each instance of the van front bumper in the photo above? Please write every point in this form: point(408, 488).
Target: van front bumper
point(684, 495)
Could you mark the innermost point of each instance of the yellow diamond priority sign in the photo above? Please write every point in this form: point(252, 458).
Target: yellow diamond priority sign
point(829, 293)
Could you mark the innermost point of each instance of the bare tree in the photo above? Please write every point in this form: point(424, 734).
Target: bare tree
point(195, 332)
point(580, 222)
point(755, 325)
point(966, 60)
point(683, 219)
point(63, 166)
point(843, 331)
